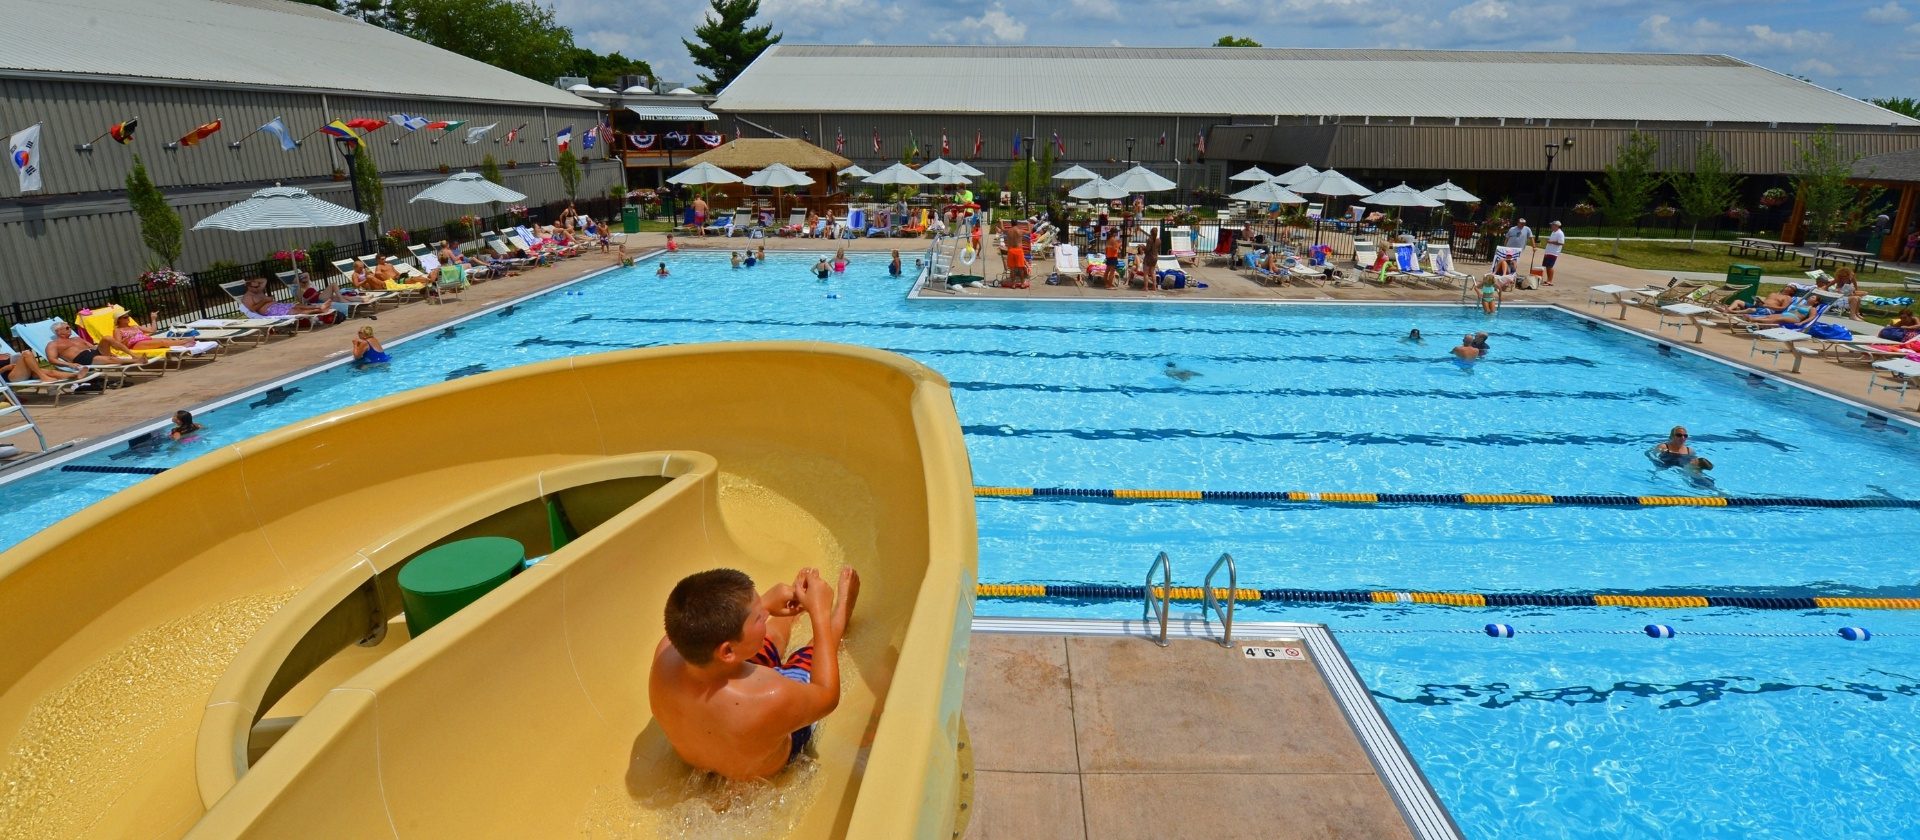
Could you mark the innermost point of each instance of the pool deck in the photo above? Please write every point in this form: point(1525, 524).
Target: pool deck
point(1087, 729)
point(82, 418)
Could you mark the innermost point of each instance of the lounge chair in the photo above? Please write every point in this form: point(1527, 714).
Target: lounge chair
point(722, 225)
point(1440, 262)
point(1405, 265)
point(37, 335)
point(54, 389)
point(856, 224)
point(238, 289)
point(1066, 264)
point(453, 278)
point(99, 323)
point(1901, 372)
point(1364, 255)
point(1168, 272)
point(547, 244)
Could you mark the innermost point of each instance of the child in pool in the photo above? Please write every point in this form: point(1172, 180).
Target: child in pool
point(750, 261)
point(761, 253)
point(893, 268)
point(1489, 295)
point(735, 259)
point(672, 246)
point(367, 349)
point(840, 261)
point(821, 269)
point(662, 272)
point(183, 426)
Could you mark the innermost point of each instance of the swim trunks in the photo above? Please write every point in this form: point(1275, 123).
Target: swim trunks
point(84, 357)
point(799, 668)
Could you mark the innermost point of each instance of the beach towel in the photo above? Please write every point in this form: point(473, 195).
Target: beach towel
point(1403, 255)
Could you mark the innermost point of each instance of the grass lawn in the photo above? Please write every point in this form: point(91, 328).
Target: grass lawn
point(1711, 257)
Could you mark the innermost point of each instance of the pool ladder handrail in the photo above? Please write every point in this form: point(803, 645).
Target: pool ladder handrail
point(10, 405)
point(1164, 601)
point(1210, 605)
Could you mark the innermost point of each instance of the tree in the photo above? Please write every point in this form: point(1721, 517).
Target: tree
point(726, 46)
point(160, 227)
point(569, 172)
point(1900, 105)
point(366, 179)
point(1032, 178)
point(1232, 41)
point(1627, 184)
point(1709, 189)
point(605, 70)
point(516, 35)
point(1820, 179)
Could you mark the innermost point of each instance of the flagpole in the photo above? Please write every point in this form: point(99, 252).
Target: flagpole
point(88, 146)
point(235, 145)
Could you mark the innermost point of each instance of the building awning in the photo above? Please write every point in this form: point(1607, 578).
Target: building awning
point(673, 113)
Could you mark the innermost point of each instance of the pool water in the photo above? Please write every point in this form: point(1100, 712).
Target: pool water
point(1580, 726)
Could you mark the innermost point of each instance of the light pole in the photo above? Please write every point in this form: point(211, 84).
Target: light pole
point(1129, 159)
point(1553, 198)
point(1026, 179)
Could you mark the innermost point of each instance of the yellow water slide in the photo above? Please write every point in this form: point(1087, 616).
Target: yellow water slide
point(221, 650)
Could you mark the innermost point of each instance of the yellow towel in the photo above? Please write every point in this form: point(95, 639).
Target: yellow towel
point(100, 323)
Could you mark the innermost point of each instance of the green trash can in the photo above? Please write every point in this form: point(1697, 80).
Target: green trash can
point(1744, 275)
point(440, 581)
point(630, 219)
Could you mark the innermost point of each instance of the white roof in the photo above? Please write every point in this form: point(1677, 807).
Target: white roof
point(679, 113)
point(263, 43)
point(1209, 81)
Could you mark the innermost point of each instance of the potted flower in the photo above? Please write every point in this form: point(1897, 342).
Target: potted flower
point(1504, 209)
point(511, 163)
point(444, 169)
point(339, 174)
point(519, 211)
point(162, 278)
point(1584, 209)
point(1665, 211)
point(1773, 197)
point(1738, 213)
point(295, 255)
point(394, 241)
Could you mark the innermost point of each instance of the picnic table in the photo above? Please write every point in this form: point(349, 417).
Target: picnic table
point(1836, 256)
point(1756, 246)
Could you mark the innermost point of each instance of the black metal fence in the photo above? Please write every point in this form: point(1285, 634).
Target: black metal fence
point(201, 296)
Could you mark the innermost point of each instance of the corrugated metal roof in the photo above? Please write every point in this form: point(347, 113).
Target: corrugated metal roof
point(1287, 82)
point(269, 43)
point(682, 113)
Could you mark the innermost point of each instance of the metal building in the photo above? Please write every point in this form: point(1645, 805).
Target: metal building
point(78, 68)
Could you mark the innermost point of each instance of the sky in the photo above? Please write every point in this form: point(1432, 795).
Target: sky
point(1861, 47)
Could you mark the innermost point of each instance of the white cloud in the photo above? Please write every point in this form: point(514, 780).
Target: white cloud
point(1799, 40)
point(1703, 35)
point(993, 26)
point(1081, 11)
point(1814, 67)
point(1892, 12)
point(1482, 13)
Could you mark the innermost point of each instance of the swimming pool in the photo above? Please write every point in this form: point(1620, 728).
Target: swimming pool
point(1559, 732)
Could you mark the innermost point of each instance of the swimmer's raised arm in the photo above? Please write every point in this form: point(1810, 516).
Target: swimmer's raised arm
point(803, 704)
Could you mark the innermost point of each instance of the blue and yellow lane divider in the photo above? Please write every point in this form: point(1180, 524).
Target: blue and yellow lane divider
point(1542, 499)
point(1124, 592)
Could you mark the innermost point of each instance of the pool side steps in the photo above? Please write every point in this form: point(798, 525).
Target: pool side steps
point(1522, 499)
point(1124, 592)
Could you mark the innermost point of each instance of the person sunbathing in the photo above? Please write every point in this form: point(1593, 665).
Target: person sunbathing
point(362, 277)
point(133, 335)
point(724, 693)
point(258, 301)
point(23, 367)
point(1770, 305)
point(1798, 313)
point(70, 350)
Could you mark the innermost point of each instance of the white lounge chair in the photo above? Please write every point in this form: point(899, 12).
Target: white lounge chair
point(54, 388)
point(453, 280)
point(1066, 264)
point(238, 289)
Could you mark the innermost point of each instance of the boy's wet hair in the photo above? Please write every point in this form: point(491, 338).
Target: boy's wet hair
point(708, 608)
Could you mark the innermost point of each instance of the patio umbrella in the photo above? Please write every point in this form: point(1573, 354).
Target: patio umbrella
point(854, 172)
point(1293, 177)
point(966, 170)
point(1253, 174)
point(1331, 184)
point(1401, 196)
point(953, 177)
point(1141, 180)
point(1075, 172)
point(1448, 192)
point(937, 167)
point(898, 174)
point(1268, 192)
point(468, 188)
point(779, 176)
point(281, 208)
point(1098, 188)
point(703, 174)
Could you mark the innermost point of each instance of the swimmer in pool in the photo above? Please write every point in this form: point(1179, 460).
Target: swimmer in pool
point(662, 272)
point(183, 426)
point(735, 258)
point(1466, 352)
point(1179, 373)
point(1674, 451)
point(1414, 337)
point(727, 697)
point(893, 268)
point(821, 269)
point(840, 260)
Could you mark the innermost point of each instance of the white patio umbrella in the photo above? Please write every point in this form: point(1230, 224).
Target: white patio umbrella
point(703, 174)
point(281, 208)
point(779, 176)
point(1253, 174)
point(854, 172)
point(1268, 192)
point(898, 174)
point(1447, 191)
point(1075, 172)
point(1331, 184)
point(467, 188)
point(1141, 180)
point(1098, 188)
point(1401, 196)
point(1293, 177)
point(952, 177)
point(938, 167)
point(962, 168)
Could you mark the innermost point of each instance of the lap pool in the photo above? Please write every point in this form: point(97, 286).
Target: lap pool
point(1747, 723)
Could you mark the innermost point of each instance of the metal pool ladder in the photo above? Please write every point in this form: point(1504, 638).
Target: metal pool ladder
point(14, 420)
point(1210, 605)
point(1164, 602)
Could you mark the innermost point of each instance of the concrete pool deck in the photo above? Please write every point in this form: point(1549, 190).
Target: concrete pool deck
point(87, 417)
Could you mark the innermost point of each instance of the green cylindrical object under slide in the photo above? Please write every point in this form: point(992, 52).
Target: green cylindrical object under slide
point(442, 580)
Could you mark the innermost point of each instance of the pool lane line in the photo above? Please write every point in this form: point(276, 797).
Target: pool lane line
point(1125, 592)
point(1521, 499)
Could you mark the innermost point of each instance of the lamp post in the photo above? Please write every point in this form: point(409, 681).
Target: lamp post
point(1553, 198)
point(1026, 185)
point(353, 181)
point(1129, 159)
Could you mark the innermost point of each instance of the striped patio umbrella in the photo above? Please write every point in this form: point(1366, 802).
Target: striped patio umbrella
point(467, 188)
point(281, 208)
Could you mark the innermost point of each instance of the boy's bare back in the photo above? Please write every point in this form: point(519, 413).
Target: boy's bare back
point(746, 712)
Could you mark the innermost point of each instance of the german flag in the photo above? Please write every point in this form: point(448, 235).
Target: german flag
point(342, 132)
point(193, 138)
point(122, 132)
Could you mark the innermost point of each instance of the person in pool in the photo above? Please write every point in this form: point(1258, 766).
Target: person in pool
point(821, 269)
point(1466, 352)
point(183, 425)
point(1480, 343)
point(1178, 373)
point(750, 260)
point(662, 272)
point(734, 258)
point(761, 252)
point(1414, 337)
point(1489, 294)
point(840, 260)
point(1674, 451)
point(724, 693)
point(367, 349)
point(893, 267)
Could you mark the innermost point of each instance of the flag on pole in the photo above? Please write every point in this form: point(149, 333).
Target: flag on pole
point(1016, 144)
point(474, 134)
point(876, 141)
point(342, 132)
point(979, 143)
point(446, 125)
point(839, 140)
point(23, 148)
point(1163, 138)
point(913, 146)
point(194, 137)
point(945, 148)
point(563, 139)
point(1200, 142)
point(806, 134)
point(587, 140)
point(409, 122)
point(1059, 145)
point(513, 132)
point(121, 132)
point(278, 129)
point(367, 125)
